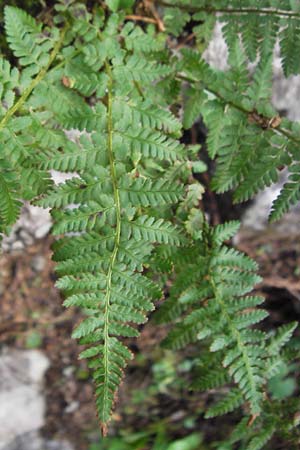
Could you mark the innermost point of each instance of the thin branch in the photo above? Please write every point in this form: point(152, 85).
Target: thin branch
point(151, 7)
point(185, 41)
point(263, 11)
point(141, 19)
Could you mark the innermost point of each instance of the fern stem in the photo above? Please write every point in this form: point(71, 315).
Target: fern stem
point(42, 73)
point(116, 242)
point(262, 11)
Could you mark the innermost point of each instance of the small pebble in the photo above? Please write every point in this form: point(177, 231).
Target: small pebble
point(38, 263)
point(43, 230)
point(68, 371)
point(72, 407)
point(18, 245)
point(26, 237)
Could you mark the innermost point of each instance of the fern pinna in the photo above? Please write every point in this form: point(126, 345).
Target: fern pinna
point(129, 211)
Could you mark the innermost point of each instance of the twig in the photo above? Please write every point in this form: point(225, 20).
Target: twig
point(263, 11)
point(186, 40)
point(151, 7)
point(142, 19)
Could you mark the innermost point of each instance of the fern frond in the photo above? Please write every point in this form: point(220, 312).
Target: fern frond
point(283, 335)
point(175, 20)
point(107, 203)
point(72, 247)
point(75, 158)
point(210, 379)
point(193, 107)
point(225, 231)
point(84, 118)
point(84, 218)
point(224, 316)
point(289, 45)
point(259, 23)
point(261, 87)
point(77, 190)
point(138, 41)
point(78, 76)
point(122, 221)
point(9, 82)
point(259, 441)
point(250, 142)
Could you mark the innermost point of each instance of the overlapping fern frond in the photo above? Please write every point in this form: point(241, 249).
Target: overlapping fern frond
point(258, 23)
point(211, 301)
point(251, 143)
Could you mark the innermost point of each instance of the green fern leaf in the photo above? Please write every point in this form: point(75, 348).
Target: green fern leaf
point(153, 144)
point(259, 441)
point(149, 229)
point(289, 195)
point(147, 114)
point(139, 69)
point(289, 44)
point(283, 335)
point(9, 197)
point(26, 39)
point(145, 192)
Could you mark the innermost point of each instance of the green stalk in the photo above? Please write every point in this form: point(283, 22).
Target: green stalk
point(114, 252)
